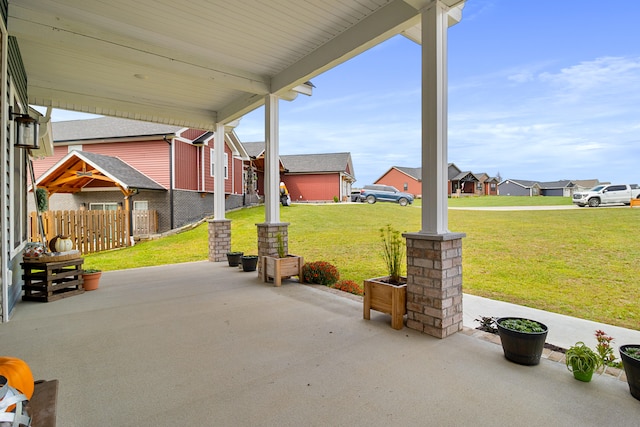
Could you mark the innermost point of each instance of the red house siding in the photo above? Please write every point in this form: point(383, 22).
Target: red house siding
point(238, 184)
point(398, 179)
point(187, 161)
point(149, 157)
point(210, 180)
point(313, 186)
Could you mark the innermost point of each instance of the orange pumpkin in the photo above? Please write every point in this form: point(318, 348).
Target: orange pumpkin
point(18, 374)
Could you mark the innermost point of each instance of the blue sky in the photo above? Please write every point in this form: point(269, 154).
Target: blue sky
point(542, 90)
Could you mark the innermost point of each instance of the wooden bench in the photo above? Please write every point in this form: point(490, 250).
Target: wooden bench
point(42, 406)
point(635, 202)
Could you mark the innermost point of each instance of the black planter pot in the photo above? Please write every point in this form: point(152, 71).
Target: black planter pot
point(524, 348)
point(249, 262)
point(234, 258)
point(632, 370)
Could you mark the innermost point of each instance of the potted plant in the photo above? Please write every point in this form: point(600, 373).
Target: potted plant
point(281, 267)
point(522, 339)
point(249, 262)
point(582, 361)
point(388, 294)
point(630, 355)
point(91, 279)
point(233, 258)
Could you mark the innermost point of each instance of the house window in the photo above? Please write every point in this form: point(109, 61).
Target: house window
point(493, 186)
point(19, 196)
point(108, 206)
point(140, 205)
point(405, 186)
point(212, 156)
point(18, 182)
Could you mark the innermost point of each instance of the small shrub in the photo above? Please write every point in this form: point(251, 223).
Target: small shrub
point(349, 286)
point(633, 352)
point(320, 272)
point(522, 325)
point(335, 199)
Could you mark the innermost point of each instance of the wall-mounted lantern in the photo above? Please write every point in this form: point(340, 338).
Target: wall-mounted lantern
point(26, 130)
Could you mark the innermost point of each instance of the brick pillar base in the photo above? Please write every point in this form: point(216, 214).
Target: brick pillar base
point(268, 240)
point(219, 239)
point(434, 283)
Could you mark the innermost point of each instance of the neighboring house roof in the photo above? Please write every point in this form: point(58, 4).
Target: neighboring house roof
point(521, 182)
point(254, 149)
point(318, 163)
point(415, 173)
point(586, 183)
point(564, 183)
point(106, 128)
point(452, 170)
point(462, 175)
point(71, 173)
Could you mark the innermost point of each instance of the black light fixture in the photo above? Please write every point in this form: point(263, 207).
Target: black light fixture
point(26, 130)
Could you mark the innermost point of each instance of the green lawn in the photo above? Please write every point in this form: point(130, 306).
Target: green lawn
point(580, 262)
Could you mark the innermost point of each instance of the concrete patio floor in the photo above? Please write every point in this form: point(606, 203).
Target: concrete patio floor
point(208, 345)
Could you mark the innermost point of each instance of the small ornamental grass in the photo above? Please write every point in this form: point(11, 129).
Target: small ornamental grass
point(320, 272)
point(349, 286)
point(393, 248)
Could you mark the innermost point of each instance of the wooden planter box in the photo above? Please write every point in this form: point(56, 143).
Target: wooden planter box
point(277, 269)
point(387, 298)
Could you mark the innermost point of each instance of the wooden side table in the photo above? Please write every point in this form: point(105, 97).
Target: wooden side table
point(46, 281)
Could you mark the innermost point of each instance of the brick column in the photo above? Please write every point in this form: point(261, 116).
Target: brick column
point(268, 238)
point(219, 239)
point(434, 283)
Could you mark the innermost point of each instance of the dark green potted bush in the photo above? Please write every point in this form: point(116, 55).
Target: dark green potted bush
point(233, 258)
point(582, 361)
point(522, 339)
point(630, 355)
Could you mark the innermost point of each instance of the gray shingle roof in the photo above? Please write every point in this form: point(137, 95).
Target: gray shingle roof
point(328, 162)
point(107, 127)
point(253, 149)
point(415, 173)
point(121, 171)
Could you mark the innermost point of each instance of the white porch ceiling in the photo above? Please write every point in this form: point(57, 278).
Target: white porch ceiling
point(196, 62)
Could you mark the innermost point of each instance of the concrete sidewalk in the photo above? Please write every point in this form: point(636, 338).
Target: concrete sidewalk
point(205, 344)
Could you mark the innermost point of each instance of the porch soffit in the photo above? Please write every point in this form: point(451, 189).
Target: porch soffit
point(191, 64)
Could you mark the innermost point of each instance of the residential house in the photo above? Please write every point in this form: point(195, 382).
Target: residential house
point(174, 163)
point(585, 184)
point(410, 180)
point(318, 177)
point(561, 188)
point(308, 177)
point(519, 187)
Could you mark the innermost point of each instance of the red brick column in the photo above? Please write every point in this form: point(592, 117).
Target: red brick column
point(219, 239)
point(434, 283)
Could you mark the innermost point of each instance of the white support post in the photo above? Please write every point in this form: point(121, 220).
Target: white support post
point(218, 188)
point(271, 162)
point(434, 119)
